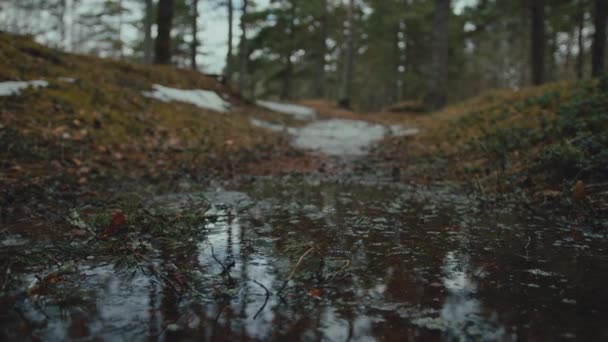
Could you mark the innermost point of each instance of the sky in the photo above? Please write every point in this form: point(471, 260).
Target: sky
point(214, 37)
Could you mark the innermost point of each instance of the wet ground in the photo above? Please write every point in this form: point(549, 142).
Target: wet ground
point(349, 256)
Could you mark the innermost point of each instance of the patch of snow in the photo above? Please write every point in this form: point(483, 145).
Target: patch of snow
point(201, 98)
point(9, 88)
point(339, 137)
point(336, 136)
point(399, 131)
point(299, 112)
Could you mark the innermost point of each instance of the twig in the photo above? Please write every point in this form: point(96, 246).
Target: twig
point(527, 245)
point(265, 301)
point(224, 269)
point(293, 271)
point(338, 272)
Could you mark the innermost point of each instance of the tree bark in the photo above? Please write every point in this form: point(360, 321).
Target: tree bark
point(599, 38)
point(580, 58)
point(437, 93)
point(194, 43)
point(347, 69)
point(228, 69)
point(320, 74)
point(537, 11)
point(164, 22)
point(243, 51)
point(148, 22)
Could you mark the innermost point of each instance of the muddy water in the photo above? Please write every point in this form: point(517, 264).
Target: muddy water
point(379, 261)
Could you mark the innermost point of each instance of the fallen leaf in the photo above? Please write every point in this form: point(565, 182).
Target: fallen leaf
point(118, 220)
point(578, 190)
point(315, 293)
point(40, 286)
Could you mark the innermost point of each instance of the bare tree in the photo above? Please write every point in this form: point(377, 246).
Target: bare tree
point(437, 93)
point(164, 22)
point(599, 38)
point(194, 43)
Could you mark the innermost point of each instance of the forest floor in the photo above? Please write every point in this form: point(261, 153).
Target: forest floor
point(126, 215)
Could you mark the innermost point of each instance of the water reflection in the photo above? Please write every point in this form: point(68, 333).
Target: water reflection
point(391, 262)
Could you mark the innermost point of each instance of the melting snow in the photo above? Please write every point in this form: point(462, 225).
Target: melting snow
point(399, 131)
point(339, 137)
point(201, 98)
point(299, 112)
point(14, 87)
point(336, 136)
point(271, 126)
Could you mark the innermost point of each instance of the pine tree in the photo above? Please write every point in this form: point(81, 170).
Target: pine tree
point(538, 40)
point(349, 55)
point(599, 38)
point(164, 23)
point(436, 96)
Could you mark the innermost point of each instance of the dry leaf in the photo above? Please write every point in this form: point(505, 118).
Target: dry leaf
point(118, 220)
point(578, 190)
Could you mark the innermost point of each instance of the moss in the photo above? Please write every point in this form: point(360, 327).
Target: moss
point(104, 120)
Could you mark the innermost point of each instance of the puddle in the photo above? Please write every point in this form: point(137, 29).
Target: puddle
point(378, 262)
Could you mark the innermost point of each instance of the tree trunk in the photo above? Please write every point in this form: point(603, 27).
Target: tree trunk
point(320, 74)
point(243, 51)
point(537, 11)
point(288, 73)
point(164, 22)
point(228, 70)
point(437, 93)
point(194, 43)
point(63, 6)
point(580, 58)
point(148, 22)
point(599, 38)
point(347, 69)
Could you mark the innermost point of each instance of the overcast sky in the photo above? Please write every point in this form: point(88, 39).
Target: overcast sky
point(214, 22)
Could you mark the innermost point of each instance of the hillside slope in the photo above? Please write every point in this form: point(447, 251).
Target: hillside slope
point(548, 144)
point(87, 120)
point(94, 116)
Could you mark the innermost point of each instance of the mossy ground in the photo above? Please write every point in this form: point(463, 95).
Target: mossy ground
point(92, 126)
point(538, 142)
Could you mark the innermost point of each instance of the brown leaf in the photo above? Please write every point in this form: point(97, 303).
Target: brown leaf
point(118, 220)
point(315, 293)
point(578, 190)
